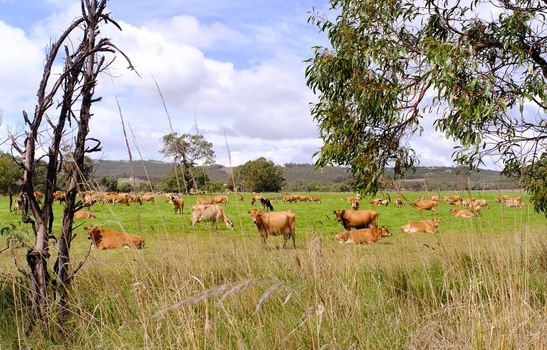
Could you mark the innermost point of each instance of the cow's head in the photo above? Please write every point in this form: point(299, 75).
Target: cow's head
point(255, 215)
point(93, 233)
point(385, 231)
point(342, 236)
point(339, 215)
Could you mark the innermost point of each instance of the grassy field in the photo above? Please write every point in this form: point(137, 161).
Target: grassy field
point(478, 283)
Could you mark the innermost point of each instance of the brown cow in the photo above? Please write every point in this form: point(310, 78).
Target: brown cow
point(354, 198)
point(502, 198)
point(425, 204)
point(363, 236)
point(428, 226)
point(399, 202)
point(38, 195)
point(290, 198)
point(380, 201)
point(275, 224)
point(210, 212)
point(462, 213)
point(316, 199)
point(355, 205)
point(147, 197)
point(59, 196)
point(357, 218)
point(480, 202)
point(108, 239)
point(204, 201)
point(178, 204)
point(256, 198)
point(511, 202)
point(84, 214)
point(220, 199)
point(453, 199)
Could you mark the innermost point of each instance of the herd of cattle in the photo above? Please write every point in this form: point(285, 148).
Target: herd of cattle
point(361, 226)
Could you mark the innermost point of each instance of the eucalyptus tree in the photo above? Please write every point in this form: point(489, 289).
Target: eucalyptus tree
point(478, 66)
point(188, 151)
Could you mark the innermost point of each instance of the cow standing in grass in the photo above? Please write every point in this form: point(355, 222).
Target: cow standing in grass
point(178, 203)
point(210, 212)
point(275, 224)
point(265, 202)
point(357, 218)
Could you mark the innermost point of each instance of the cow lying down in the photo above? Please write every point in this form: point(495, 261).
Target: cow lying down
point(363, 236)
point(108, 239)
point(84, 214)
point(428, 226)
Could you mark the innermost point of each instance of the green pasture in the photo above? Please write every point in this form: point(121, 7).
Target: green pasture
point(477, 283)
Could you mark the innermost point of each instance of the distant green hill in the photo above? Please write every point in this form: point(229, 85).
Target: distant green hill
point(305, 177)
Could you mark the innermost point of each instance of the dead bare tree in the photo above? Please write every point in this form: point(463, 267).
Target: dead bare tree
point(74, 88)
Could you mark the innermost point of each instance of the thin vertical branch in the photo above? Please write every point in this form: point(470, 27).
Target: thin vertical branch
point(172, 131)
point(130, 164)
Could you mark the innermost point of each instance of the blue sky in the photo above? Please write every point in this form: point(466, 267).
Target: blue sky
point(234, 67)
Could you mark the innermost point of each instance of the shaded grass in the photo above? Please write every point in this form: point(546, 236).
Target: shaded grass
point(465, 287)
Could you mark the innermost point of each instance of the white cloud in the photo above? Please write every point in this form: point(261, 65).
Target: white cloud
point(263, 104)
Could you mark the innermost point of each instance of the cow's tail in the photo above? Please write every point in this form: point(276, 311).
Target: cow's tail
point(10, 200)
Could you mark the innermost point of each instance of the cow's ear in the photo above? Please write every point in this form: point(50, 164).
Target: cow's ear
point(85, 228)
point(334, 211)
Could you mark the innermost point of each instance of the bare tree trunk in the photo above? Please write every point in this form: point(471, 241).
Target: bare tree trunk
point(77, 81)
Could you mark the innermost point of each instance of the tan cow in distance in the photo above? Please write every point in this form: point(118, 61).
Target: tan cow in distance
point(204, 201)
point(59, 196)
point(428, 226)
point(453, 199)
point(363, 236)
point(462, 213)
point(84, 214)
point(256, 198)
point(147, 197)
point(275, 223)
point(357, 218)
point(210, 212)
point(220, 199)
point(108, 239)
point(512, 202)
point(380, 201)
point(425, 204)
point(289, 198)
point(178, 203)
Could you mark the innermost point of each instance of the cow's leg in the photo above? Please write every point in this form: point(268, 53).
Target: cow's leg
point(264, 244)
point(293, 240)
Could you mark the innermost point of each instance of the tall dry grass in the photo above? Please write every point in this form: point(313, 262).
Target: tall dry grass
point(214, 291)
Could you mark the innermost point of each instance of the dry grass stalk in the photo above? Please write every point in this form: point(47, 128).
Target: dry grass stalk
point(270, 291)
point(225, 290)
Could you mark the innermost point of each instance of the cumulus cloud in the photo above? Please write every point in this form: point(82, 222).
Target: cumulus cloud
point(261, 105)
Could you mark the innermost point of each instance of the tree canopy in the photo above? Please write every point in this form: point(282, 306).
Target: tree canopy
point(479, 67)
point(260, 175)
point(187, 151)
